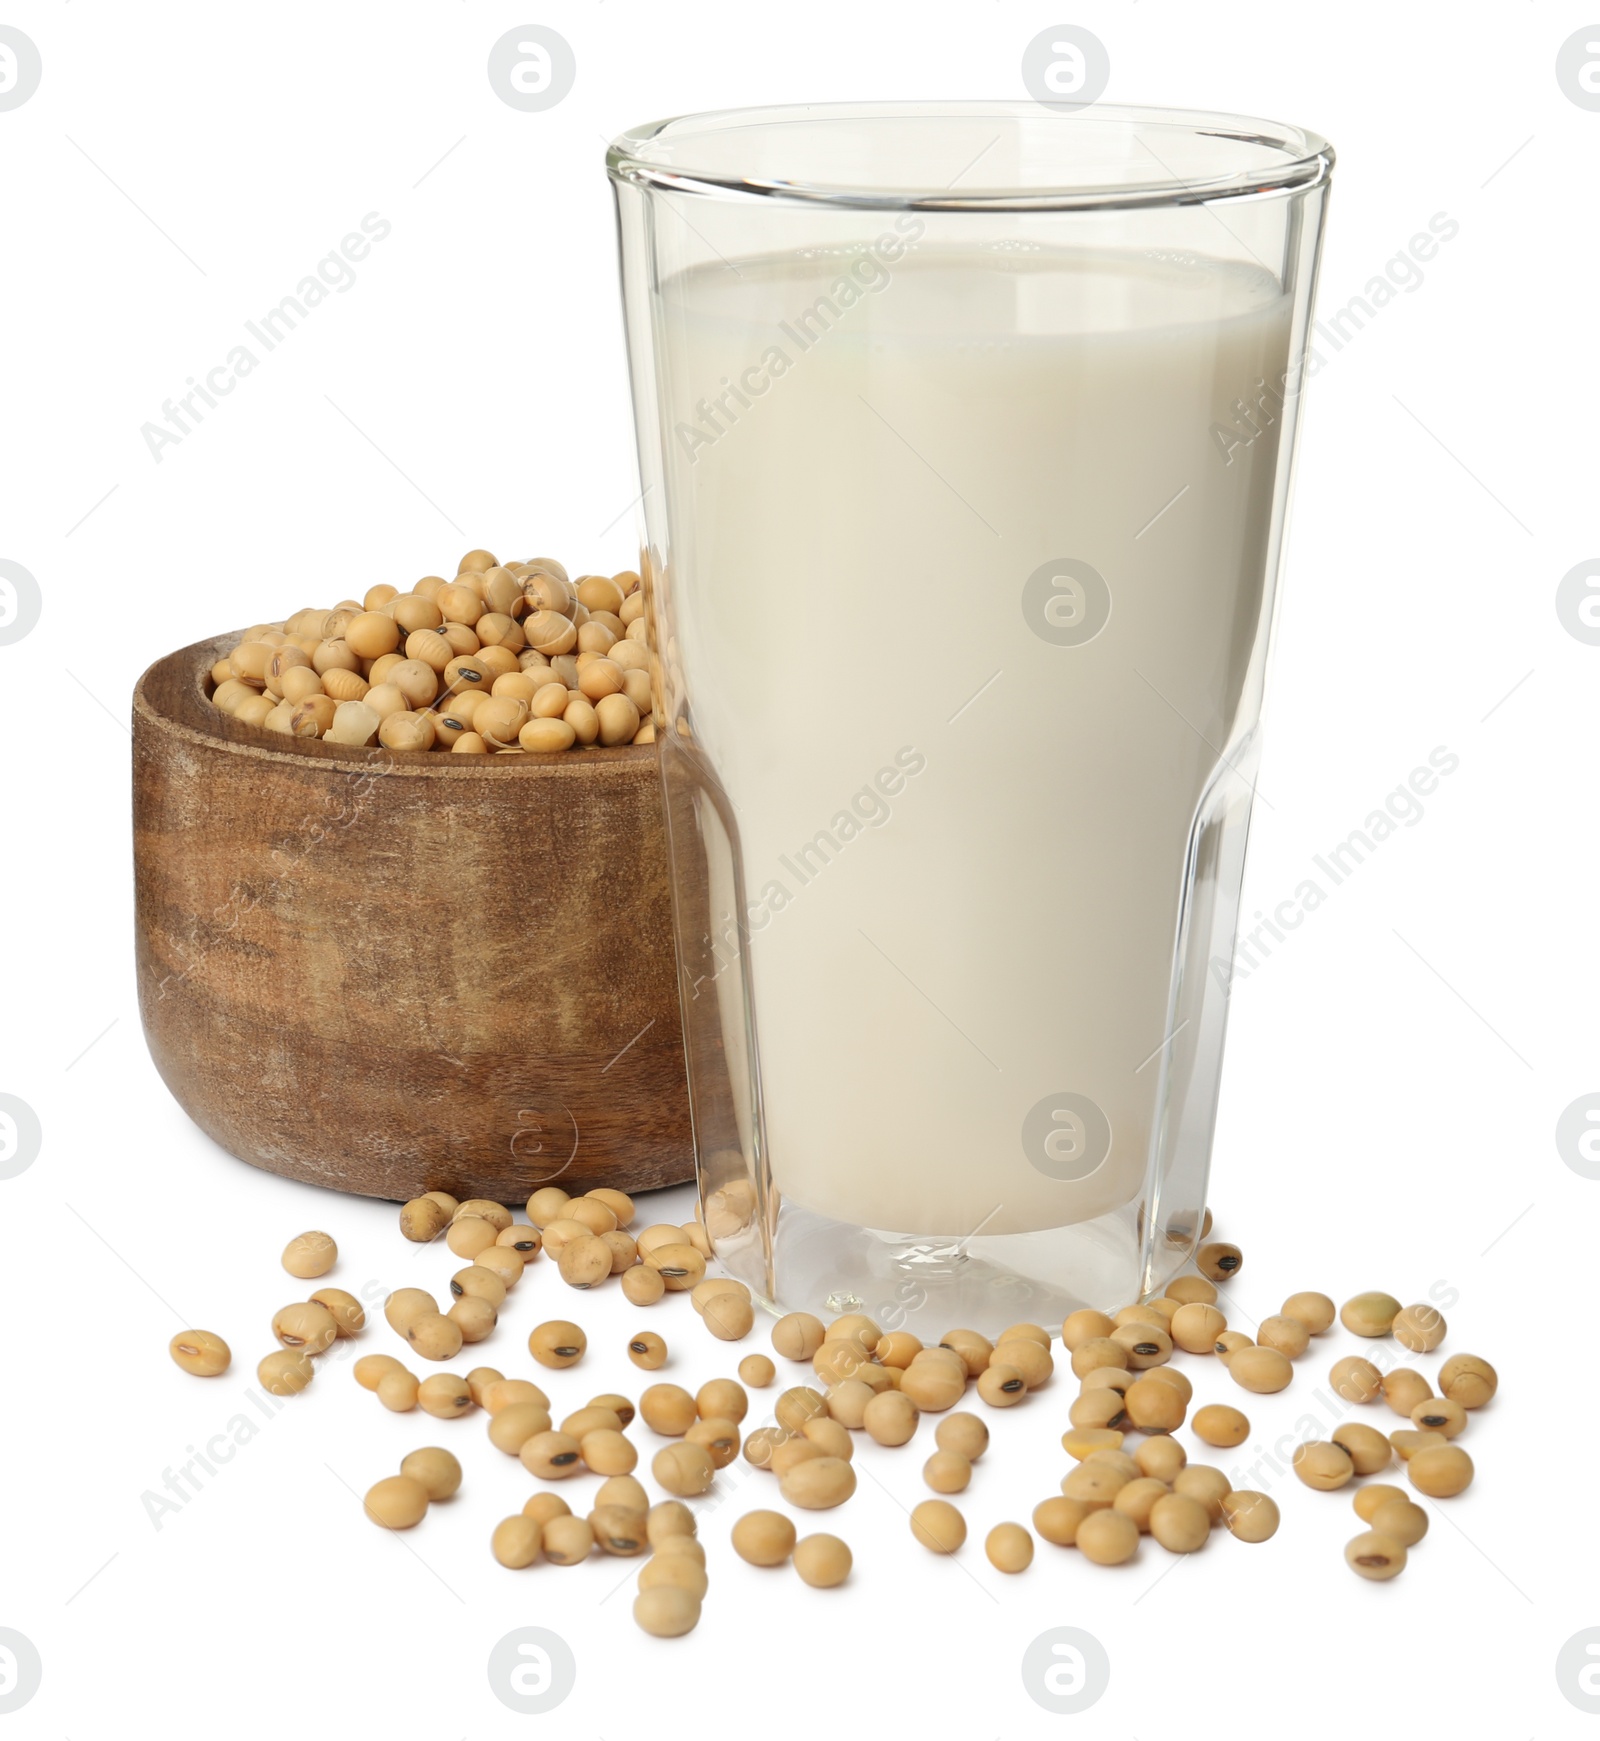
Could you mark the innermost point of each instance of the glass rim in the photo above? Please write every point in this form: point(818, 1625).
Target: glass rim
point(1292, 159)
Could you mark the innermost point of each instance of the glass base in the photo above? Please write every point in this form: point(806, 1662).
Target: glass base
point(932, 1285)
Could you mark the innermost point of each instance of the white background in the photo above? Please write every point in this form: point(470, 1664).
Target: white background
point(1395, 1070)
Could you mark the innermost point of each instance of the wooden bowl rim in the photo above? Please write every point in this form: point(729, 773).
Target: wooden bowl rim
point(172, 696)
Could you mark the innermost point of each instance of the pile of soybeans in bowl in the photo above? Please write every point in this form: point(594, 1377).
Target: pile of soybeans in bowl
point(510, 658)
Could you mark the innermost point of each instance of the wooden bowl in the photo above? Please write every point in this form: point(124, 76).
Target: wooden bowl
point(400, 973)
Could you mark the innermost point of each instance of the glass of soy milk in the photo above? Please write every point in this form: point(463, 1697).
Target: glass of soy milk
point(965, 434)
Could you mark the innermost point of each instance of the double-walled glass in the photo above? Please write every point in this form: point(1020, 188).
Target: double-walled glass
point(965, 434)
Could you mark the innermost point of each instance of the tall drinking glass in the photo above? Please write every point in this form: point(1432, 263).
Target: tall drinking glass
point(965, 434)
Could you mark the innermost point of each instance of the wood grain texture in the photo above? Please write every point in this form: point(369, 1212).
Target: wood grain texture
point(398, 973)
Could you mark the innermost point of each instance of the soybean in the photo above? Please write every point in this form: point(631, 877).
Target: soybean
point(1156, 1407)
point(763, 1538)
point(473, 1317)
point(551, 1455)
point(1082, 1443)
point(515, 1542)
point(1439, 1415)
point(1220, 1425)
point(729, 1317)
point(511, 1426)
point(757, 1371)
point(1440, 1471)
point(201, 1353)
point(666, 1612)
point(1056, 1520)
point(1219, 1262)
point(964, 1434)
point(1108, 1538)
point(467, 1235)
point(503, 1261)
point(1404, 1388)
point(1262, 1370)
point(398, 1391)
point(642, 1285)
point(1032, 1359)
point(1376, 1556)
point(796, 1406)
point(667, 1409)
point(830, 1437)
point(1104, 1405)
point(1370, 1500)
point(1323, 1465)
point(1356, 1379)
point(1147, 1345)
point(1171, 1375)
point(1195, 1327)
point(847, 1402)
point(667, 1521)
point(890, 1418)
point(1201, 1481)
point(940, 1527)
point(1000, 1385)
point(1369, 1314)
point(1181, 1523)
point(1418, 1328)
point(619, 1530)
point(681, 1266)
point(1009, 1547)
point(310, 1254)
point(647, 1350)
point(444, 1396)
point(933, 1385)
point(1097, 1351)
point(349, 1315)
point(397, 1502)
point(1367, 1448)
point(822, 1561)
point(435, 1337)
point(526, 1241)
point(422, 1220)
point(1249, 1516)
point(818, 1484)
point(438, 1472)
point(567, 1540)
point(622, 1490)
point(947, 1472)
point(1468, 1380)
point(719, 1438)
point(1161, 1456)
point(606, 1451)
point(479, 1283)
point(286, 1372)
point(544, 1506)
point(1085, 1326)
point(1137, 1497)
point(686, 1469)
point(974, 1351)
point(546, 1205)
point(557, 1343)
point(584, 1261)
point(898, 1348)
point(405, 1305)
point(1315, 1311)
point(1288, 1335)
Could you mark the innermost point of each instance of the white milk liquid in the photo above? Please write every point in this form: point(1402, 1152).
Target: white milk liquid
point(997, 924)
